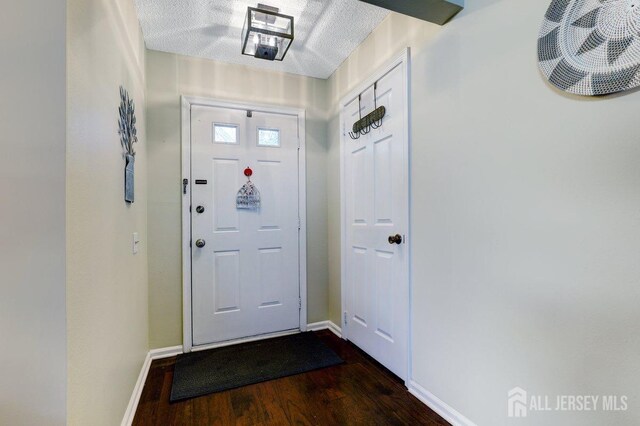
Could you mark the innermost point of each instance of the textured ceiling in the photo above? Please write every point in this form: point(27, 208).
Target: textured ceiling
point(326, 31)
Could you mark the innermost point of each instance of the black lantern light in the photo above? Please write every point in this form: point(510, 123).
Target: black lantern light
point(267, 34)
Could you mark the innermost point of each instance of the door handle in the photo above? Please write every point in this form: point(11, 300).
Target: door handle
point(395, 239)
point(200, 243)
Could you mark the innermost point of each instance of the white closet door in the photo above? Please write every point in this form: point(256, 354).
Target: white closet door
point(377, 203)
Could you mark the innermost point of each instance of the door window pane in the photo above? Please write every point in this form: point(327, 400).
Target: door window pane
point(269, 137)
point(225, 133)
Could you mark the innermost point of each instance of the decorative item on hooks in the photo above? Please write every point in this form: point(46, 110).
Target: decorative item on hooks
point(373, 119)
point(248, 197)
point(128, 136)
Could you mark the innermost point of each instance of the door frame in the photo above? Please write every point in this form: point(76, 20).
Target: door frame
point(403, 57)
point(186, 103)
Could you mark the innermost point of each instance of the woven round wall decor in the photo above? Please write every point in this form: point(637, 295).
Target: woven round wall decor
point(591, 47)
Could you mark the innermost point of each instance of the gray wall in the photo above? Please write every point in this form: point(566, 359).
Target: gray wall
point(168, 77)
point(32, 205)
point(526, 235)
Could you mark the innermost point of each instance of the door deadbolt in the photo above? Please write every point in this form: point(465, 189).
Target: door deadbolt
point(395, 239)
point(200, 209)
point(200, 243)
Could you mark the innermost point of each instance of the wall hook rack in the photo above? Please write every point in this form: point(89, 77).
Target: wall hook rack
point(373, 119)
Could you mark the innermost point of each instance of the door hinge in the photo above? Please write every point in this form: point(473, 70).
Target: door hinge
point(299, 303)
point(345, 318)
point(299, 224)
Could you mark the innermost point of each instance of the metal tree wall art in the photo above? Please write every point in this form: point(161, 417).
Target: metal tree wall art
point(128, 136)
point(591, 47)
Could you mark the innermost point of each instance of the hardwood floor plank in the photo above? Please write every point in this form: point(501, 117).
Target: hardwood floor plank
point(358, 392)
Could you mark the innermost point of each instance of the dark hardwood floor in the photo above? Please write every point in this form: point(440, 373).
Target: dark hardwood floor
point(358, 392)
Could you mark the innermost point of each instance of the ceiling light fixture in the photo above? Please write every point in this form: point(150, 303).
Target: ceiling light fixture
point(267, 34)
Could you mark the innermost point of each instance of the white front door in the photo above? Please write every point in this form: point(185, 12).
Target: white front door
point(376, 207)
point(245, 265)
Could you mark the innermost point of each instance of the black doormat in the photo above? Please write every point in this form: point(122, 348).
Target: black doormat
point(215, 370)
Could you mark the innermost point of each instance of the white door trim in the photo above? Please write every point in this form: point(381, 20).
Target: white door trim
point(187, 103)
point(404, 57)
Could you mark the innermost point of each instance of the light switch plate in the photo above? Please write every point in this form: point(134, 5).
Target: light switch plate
point(135, 243)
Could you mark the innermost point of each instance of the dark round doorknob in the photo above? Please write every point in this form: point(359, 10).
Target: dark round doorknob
point(395, 239)
point(200, 243)
point(200, 209)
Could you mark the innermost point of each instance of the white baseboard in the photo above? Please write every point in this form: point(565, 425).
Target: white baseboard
point(137, 392)
point(165, 352)
point(436, 404)
point(325, 325)
point(142, 378)
point(335, 329)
